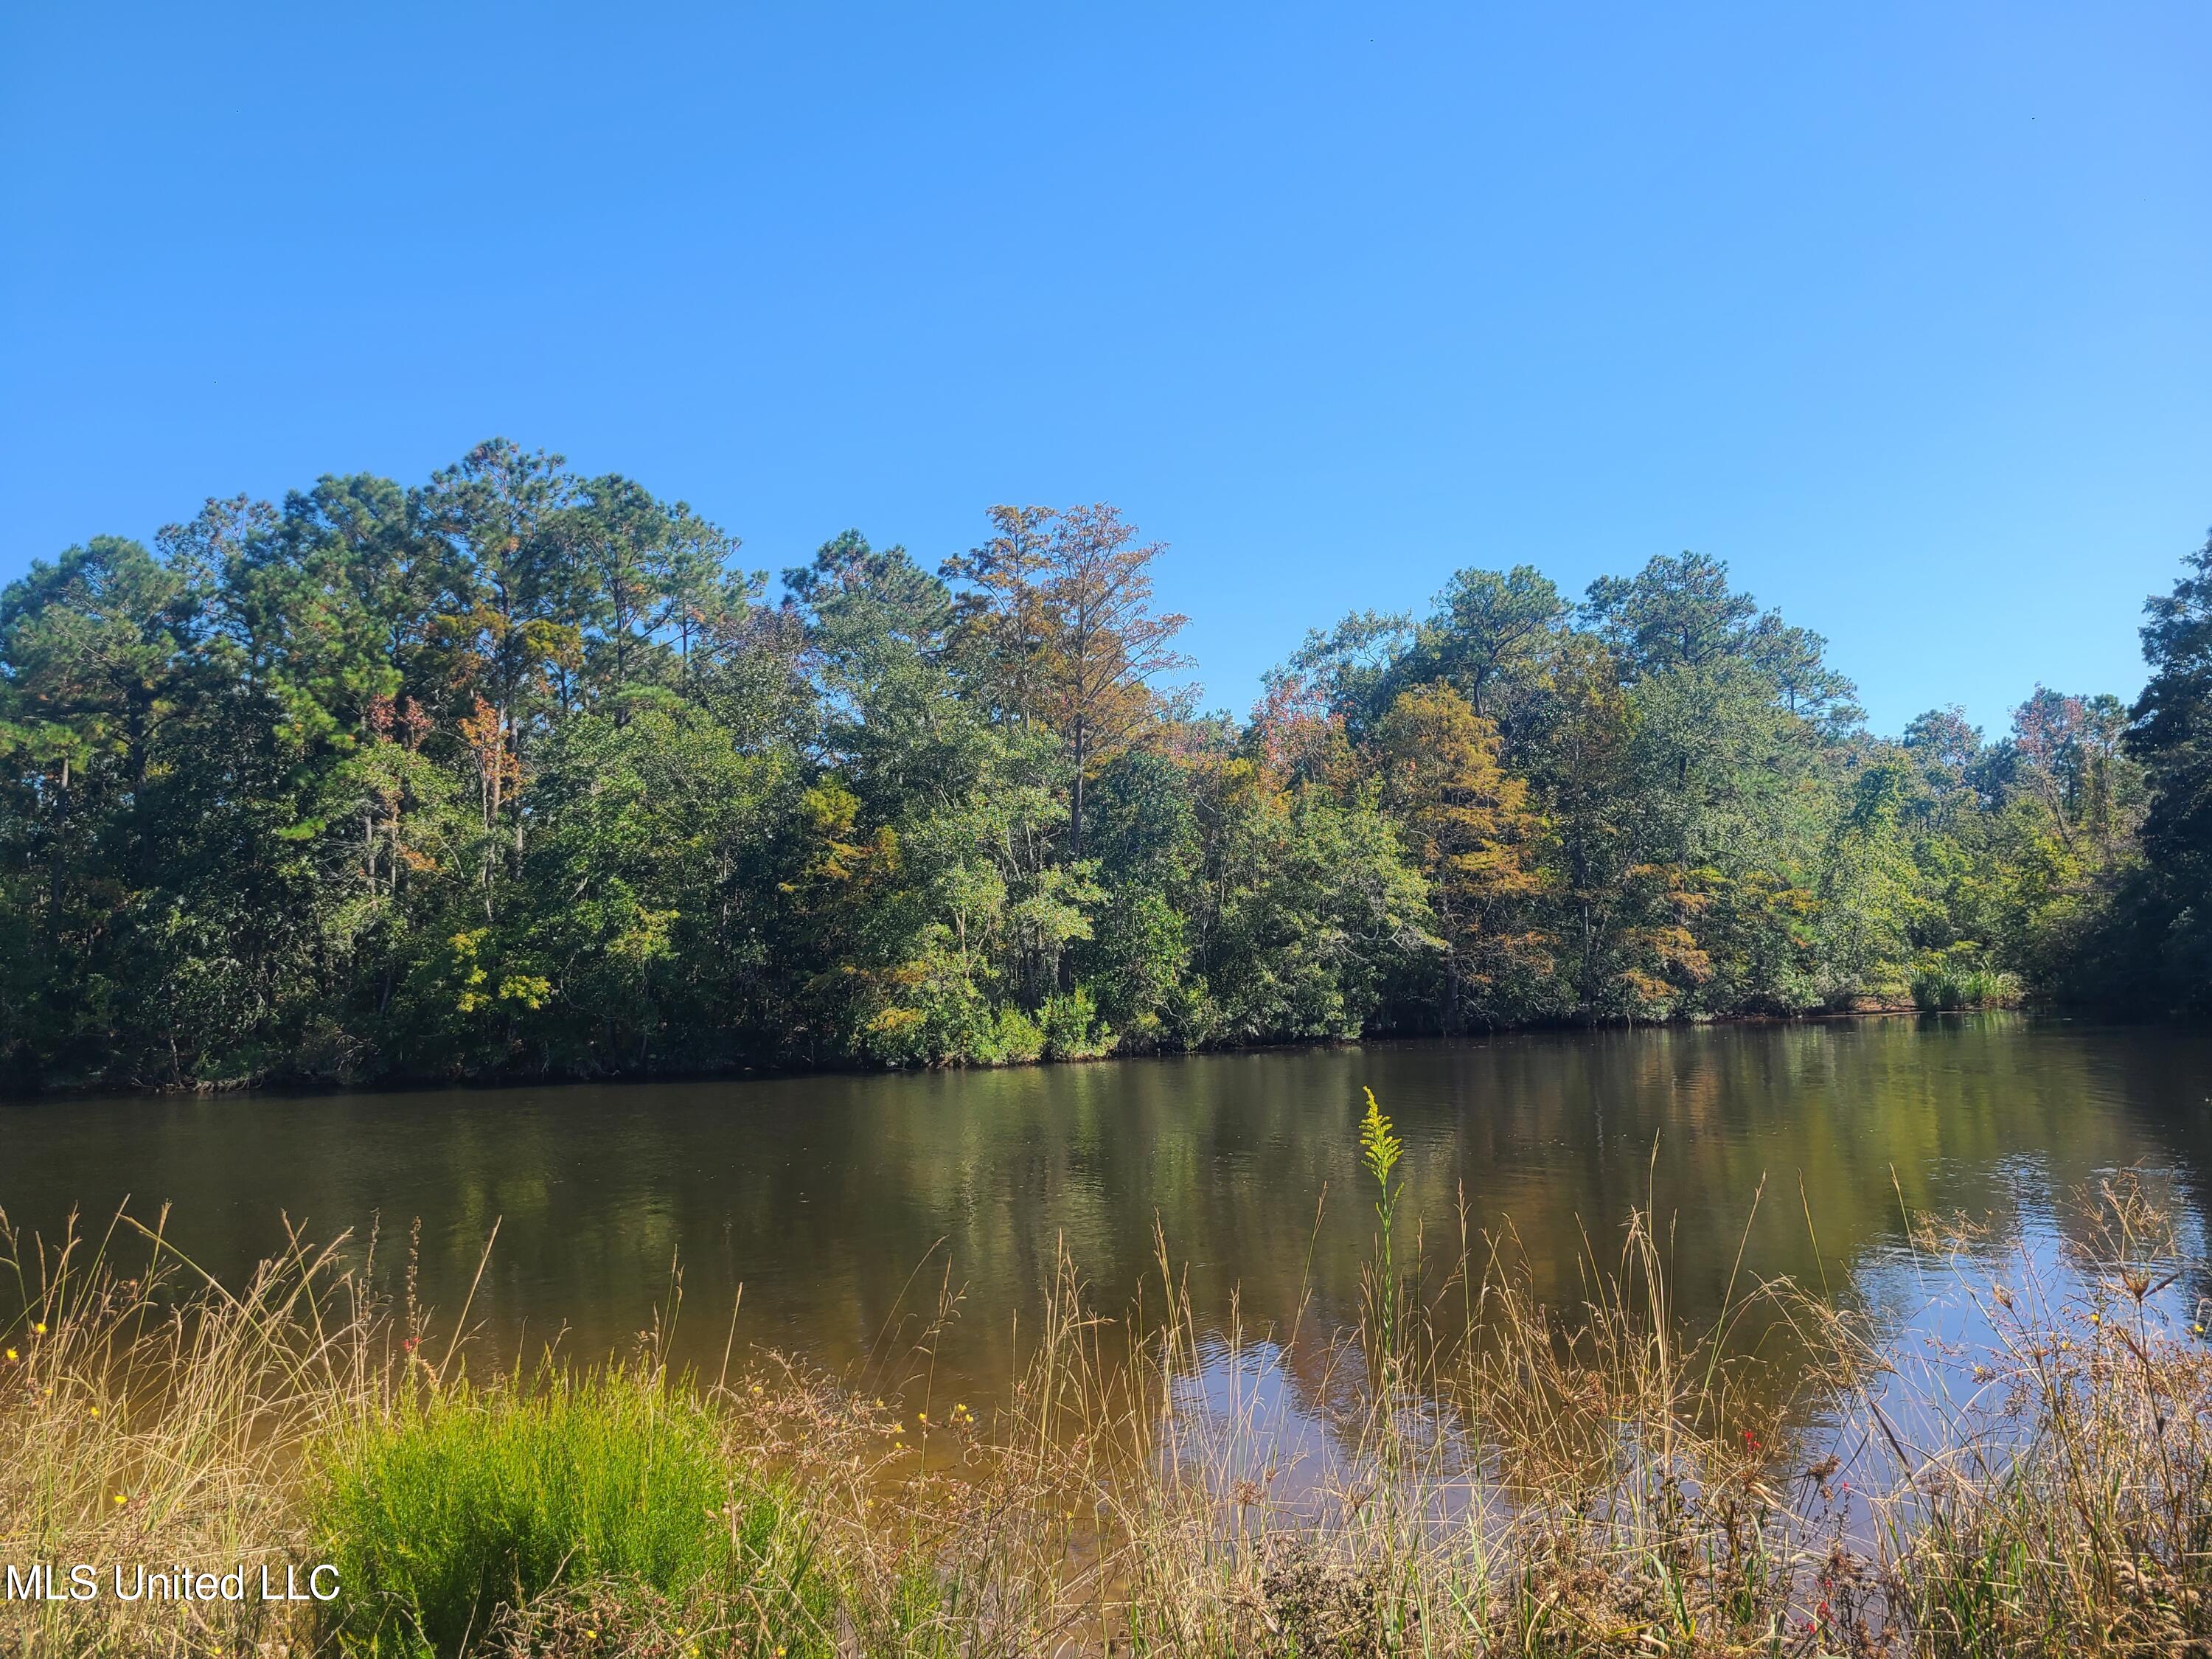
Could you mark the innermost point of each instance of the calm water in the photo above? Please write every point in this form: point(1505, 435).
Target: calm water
point(846, 1206)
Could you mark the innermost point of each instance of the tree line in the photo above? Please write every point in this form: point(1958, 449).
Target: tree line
point(519, 772)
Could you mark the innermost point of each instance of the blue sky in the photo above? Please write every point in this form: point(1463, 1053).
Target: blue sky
point(1905, 311)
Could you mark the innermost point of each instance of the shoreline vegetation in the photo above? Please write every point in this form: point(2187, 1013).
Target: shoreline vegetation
point(1592, 1479)
point(492, 1083)
point(517, 772)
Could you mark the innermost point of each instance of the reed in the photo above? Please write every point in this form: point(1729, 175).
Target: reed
point(1944, 987)
point(1502, 1478)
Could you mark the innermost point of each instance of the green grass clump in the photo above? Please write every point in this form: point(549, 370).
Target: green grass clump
point(461, 1506)
point(1941, 987)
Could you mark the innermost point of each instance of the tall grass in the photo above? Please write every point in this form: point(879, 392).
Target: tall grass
point(152, 1416)
point(2066, 1506)
point(1943, 986)
point(455, 1504)
point(1498, 1476)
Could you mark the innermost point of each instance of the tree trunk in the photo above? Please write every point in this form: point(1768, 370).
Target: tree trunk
point(55, 884)
point(1075, 815)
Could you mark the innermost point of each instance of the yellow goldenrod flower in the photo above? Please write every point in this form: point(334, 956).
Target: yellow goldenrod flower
point(11, 1356)
point(121, 1499)
point(38, 1329)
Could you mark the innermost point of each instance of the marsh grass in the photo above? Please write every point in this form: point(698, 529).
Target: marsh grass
point(2064, 1503)
point(457, 1502)
point(1493, 1476)
point(154, 1416)
point(1943, 986)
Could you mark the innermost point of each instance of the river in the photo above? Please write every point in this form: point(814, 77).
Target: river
point(853, 1209)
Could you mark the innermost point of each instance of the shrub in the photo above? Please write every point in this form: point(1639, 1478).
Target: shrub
point(1019, 1041)
point(1071, 1028)
point(459, 1506)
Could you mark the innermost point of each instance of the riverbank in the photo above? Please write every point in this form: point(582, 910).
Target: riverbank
point(295, 1084)
point(1589, 1479)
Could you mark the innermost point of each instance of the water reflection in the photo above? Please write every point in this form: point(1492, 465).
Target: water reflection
point(853, 1209)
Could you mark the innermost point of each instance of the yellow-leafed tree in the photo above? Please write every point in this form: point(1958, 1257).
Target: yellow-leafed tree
point(1470, 828)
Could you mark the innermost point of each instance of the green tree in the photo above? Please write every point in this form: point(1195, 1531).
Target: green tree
point(2172, 737)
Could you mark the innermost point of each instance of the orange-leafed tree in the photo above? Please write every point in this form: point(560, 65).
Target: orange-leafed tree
point(1104, 645)
point(1296, 736)
point(1058, 610)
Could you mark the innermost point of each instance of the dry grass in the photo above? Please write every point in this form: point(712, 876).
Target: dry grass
point(2062, 1504)
point(158, 1417)
point(1498, 1477)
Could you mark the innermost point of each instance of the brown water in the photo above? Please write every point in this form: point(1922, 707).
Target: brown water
point(844, 1205)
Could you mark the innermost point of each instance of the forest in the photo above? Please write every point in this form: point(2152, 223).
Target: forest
point(520, 773)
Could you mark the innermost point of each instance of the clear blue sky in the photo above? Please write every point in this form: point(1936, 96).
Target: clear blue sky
point(1905, 311)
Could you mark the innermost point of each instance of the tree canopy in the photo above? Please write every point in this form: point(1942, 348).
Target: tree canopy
point(519, 771)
